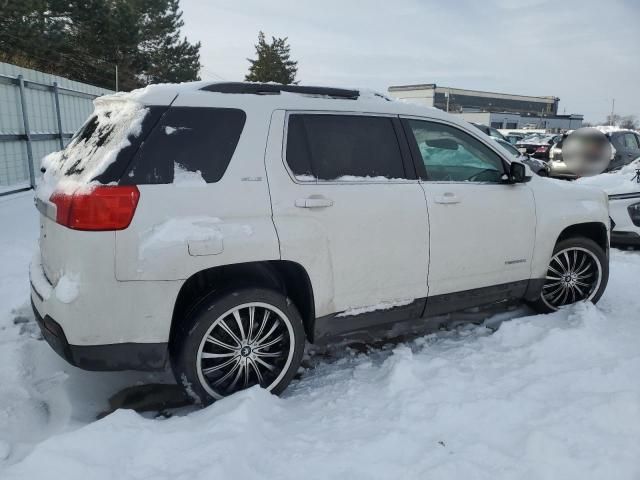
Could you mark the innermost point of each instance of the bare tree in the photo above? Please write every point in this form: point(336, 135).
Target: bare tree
point(630, 122)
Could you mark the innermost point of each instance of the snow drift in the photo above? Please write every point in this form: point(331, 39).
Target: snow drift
point(546, 396)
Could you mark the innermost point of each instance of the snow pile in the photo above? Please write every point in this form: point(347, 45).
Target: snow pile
point(546, 396)
point(348, 178)
point(621, 181)
point(67, 288)
point(186, 178)
point(608, 128)
point(181, 231)
point(372, 308)
point(93, 148)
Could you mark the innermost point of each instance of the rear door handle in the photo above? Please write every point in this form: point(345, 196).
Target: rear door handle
point(447, 198)
point(313, 202)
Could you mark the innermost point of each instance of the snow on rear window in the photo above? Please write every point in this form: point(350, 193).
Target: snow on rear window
point(94, 147)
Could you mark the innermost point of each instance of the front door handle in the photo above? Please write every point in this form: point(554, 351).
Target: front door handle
point(313, 202)
point(447, 198)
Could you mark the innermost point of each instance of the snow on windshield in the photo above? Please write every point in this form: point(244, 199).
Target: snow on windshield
point(94, 147)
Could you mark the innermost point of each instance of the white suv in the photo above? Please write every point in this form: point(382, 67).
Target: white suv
point(219, 226)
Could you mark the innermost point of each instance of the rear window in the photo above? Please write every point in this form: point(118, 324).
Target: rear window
point(103, 147)
point(191, 139)
point(330, 147)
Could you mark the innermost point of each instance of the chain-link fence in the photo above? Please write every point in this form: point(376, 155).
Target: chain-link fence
point(38, 115)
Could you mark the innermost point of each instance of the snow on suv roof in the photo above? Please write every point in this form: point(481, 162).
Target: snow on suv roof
point(278, 96)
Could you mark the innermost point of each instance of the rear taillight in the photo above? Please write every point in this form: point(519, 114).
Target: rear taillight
point(542, 149)
point(99, 208)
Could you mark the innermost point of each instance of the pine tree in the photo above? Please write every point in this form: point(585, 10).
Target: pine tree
point(273, 62)
point(85, 39)
point(165, 56)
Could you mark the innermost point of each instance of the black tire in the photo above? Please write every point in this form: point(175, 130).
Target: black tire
point(594, 272)
point(246, 348)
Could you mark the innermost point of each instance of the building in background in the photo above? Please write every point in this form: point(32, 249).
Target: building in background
point(499, 110)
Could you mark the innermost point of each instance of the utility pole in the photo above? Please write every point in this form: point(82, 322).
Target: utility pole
point(116, 77)
point(448, 95)
point(613, 105)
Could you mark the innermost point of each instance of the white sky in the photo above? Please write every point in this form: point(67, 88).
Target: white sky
point(584, 52)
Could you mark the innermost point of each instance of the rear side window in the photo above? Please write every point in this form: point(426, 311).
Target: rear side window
point(188, 138)
point(335, 147)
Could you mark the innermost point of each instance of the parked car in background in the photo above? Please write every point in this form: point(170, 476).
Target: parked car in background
point(513, 137)
point(492, 132)
point(537, 166)
point(218, 227)
point(537, 145)
point(623, 189)
point(625, 149)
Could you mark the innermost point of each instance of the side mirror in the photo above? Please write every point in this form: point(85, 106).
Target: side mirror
point(517, 173)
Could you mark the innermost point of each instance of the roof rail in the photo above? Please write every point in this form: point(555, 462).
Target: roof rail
point(276, 89)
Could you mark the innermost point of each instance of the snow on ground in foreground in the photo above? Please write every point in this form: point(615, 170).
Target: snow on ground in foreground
point(549, 396)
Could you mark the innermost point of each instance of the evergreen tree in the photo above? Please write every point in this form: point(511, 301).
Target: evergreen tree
point(85, 39)
point(273, 62)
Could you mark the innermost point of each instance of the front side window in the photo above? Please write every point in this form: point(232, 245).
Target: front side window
point(343, 147)
point(451, 155)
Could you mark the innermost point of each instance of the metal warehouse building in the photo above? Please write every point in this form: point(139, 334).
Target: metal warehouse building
point(500, 110)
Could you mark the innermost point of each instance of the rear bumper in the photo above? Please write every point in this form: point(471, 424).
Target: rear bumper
point(117, 356)
point(107, 325)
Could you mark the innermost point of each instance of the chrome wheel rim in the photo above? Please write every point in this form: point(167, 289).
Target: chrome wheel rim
point(574, 275)
point(247, 345)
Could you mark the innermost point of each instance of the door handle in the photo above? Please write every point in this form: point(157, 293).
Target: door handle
point(447, 198)
point(313, 202)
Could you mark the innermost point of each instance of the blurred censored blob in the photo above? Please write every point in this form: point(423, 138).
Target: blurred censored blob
point(586, 152)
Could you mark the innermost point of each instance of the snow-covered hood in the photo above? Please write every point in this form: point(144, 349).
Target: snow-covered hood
point(622, 181)
point(536, 140)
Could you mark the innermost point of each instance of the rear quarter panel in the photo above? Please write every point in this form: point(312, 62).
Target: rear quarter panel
point(168, 237)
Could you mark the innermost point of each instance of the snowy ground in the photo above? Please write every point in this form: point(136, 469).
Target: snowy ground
point(554, 396)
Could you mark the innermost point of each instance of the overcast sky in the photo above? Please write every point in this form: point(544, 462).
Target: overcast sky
point(584, 52)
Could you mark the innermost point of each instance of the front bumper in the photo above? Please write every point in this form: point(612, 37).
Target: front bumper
point(625, 238)
point(117, 356)
point(625, 232)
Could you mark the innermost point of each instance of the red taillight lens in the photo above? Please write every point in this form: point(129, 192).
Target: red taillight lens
point(101, 208)
point(542, 149)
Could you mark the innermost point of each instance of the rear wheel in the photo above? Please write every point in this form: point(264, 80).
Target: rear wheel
point(236, 340)
point(578, 272)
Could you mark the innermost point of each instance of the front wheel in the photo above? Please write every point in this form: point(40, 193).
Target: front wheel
point(235, 340)
point(578, 272)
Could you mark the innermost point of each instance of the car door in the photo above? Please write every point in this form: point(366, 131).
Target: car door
point(481, 229)
point(347, 206)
